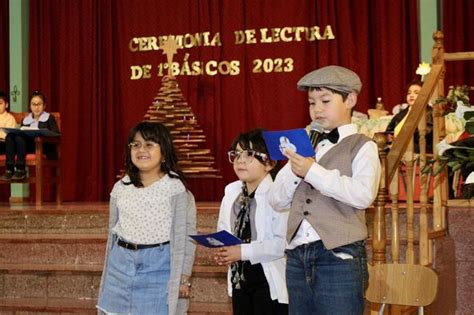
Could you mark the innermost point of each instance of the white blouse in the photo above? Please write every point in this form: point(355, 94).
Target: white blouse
point(145, 213)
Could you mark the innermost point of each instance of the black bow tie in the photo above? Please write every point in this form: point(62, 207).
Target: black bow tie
point(317, 137)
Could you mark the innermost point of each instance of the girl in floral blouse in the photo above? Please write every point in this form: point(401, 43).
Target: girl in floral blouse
point(149, 255)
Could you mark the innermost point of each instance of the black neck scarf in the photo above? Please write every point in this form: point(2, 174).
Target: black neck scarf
point(242, 229)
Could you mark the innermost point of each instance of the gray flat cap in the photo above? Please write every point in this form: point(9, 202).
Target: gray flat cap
point(334, 77)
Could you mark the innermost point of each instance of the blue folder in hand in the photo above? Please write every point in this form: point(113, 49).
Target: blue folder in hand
point(218, 239)
point(294, 139)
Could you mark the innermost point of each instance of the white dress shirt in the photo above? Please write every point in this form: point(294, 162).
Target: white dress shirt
point(268, 249)
point(358, 191)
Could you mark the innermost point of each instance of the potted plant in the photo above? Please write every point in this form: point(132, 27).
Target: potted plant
point(457, 153)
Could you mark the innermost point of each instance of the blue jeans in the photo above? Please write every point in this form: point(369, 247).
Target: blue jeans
point(136, 281)
point(320, 282)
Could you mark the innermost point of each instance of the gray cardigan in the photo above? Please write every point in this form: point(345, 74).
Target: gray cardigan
point(182, 248)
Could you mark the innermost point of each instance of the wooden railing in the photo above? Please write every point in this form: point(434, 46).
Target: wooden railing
point(402, 149)
point(428, 221)
point(415, 116)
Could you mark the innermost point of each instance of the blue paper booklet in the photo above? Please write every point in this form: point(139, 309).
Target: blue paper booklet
point(295, 139)
point(218, 239)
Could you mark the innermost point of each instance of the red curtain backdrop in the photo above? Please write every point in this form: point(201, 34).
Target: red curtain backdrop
point(4, 50)
point(458, 29)
point(80, 58)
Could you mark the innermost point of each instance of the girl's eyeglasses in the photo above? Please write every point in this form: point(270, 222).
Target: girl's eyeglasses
point(148, 146)
point(245, 156)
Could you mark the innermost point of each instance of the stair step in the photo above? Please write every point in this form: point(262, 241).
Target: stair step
point(84, 208)
point(209, 271)
point(204, 256)
point(50, 268)
point(82, 281)
point(52, 260)
point(53, 249)
point(198, 271)
point(209, 284)
point(53, 221)
point(87, 306)
point(49, 281)
point(66, 248)
point(202, 308)
point(60, 305)
point(67, 238)
point(75, 219)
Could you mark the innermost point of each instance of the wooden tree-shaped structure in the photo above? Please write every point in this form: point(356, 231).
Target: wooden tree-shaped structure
point(171, 109)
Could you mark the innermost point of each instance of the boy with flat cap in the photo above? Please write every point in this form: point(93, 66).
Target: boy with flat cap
point(326, 268)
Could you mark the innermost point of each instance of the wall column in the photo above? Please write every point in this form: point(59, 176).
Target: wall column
point(19, 43)
point(429, 21)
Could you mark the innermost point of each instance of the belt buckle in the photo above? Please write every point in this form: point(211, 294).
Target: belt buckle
point(130, 246)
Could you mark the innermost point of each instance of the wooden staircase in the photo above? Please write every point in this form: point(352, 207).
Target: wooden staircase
point(52, 259)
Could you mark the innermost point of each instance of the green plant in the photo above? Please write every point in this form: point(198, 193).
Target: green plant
point(459, 154)
point(453, 157)
point(459, 93)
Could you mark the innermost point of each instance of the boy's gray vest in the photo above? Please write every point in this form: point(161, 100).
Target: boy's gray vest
point(337, 224)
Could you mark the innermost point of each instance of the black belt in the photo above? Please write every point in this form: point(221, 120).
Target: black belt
point(132, 246)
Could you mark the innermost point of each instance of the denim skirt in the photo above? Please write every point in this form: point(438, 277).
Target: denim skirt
point(136, 281)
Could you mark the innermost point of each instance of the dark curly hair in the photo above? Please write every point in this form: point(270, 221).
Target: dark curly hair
point(253, 140)
point(414, 82)
point(158, 133)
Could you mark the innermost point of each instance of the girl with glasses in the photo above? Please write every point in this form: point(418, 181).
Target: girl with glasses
point(20, 144)
point(149, 256)
point(256, 276)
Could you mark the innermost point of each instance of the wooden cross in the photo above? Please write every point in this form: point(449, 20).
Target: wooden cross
point(170, 47)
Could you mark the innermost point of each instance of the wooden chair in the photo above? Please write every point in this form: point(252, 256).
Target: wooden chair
point(402, 284)
point(38, 161)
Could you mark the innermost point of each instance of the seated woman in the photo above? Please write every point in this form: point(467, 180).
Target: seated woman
point(6, 120)
point(20, 145)
point(398, 120)
point(395, 127)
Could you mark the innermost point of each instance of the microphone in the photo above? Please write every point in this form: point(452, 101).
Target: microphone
point(315, 129)
point(316, 126)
